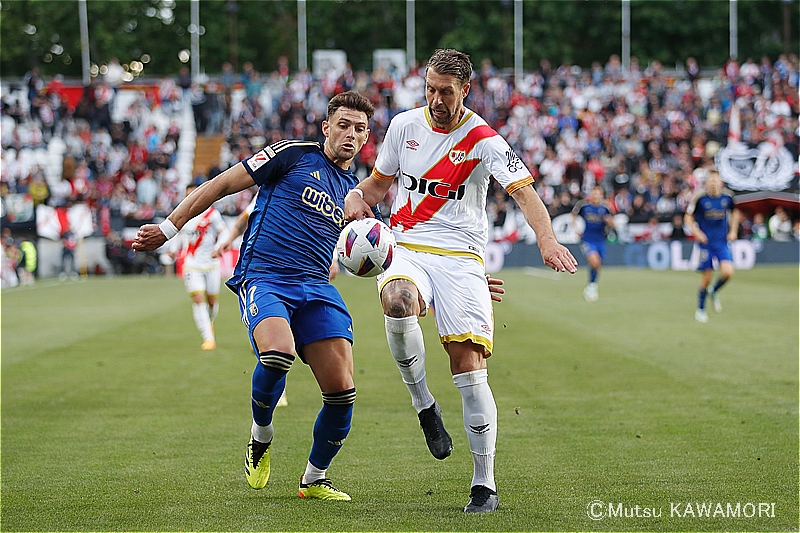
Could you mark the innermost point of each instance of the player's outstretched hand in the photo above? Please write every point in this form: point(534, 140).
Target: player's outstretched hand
point(495, 288)
point(149, 237)
point(355, 207)
point(221, 249)
point(557, 257)
point(700, 237)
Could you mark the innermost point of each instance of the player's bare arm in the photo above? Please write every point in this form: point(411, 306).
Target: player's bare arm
point(235, 179)
point(733, 227)
point(373, 190)
point(699, 236)
point(574, 226)
point(238, 228)
point(554, 254)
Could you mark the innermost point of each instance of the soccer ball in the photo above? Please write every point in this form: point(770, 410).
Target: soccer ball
point(366, 247)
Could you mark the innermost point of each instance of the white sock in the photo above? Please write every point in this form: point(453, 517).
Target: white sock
point(202, 320)
point(262, 434)
point(408, 349)
point(480, 423)
point(213, 312)
point(313, 473)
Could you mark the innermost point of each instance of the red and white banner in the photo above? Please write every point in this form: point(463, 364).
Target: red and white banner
point(53, 222)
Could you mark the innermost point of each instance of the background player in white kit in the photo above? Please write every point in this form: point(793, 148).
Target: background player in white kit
point(443, 156)
point(201, 275)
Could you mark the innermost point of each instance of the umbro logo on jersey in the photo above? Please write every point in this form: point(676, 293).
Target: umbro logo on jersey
point(411, 144)
point(315, 175)
point(407, 362)
point(479, 430)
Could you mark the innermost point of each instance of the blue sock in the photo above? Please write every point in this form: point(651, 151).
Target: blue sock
point(331, 427)
point(701, 298)
point(592, 275)
point(268, 385)
point(718, 285)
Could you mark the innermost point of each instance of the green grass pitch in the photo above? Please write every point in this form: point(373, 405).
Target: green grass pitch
point(113, 419)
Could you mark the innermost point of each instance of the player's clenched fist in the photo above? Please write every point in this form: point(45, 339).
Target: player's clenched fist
point(149, 237)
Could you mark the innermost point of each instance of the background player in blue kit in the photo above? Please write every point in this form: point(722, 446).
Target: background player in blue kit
point(281, 278)
point(714, 222)
point(597, 217)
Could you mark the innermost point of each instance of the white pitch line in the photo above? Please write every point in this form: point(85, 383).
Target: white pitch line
point(542, 273)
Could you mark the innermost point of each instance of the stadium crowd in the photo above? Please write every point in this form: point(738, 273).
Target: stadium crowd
point(647, 136)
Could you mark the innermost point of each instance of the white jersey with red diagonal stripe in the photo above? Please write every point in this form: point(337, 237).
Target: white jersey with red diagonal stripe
point(443, 177)
point(200, 236)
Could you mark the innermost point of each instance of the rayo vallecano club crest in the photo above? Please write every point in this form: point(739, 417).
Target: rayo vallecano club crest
point(457, 156)
point(767, 167)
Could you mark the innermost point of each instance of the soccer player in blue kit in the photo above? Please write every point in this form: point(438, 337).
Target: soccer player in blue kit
point(597, 216)
point(708, 217)
point(286, 300)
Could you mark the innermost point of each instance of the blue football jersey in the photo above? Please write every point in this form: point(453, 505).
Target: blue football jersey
point(595, 218)
point(711, 214)
point(298, 215)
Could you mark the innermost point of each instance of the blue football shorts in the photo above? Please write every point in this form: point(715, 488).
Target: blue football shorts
point(599, 247)
point(708, 252)
point(315, 311)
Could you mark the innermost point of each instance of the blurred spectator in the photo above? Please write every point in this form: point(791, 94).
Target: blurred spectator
point(114, 74)
point(185, 81)
point(34, 84)
point(68, 245)
point(641, 210)
point(780, 226)
point(678, 233)
point(652, 231)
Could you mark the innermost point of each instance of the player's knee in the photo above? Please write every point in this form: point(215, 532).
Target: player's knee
point(276, 361)
point(345, 398)
point(395, 305)
point(400, 300)
point(727, 271)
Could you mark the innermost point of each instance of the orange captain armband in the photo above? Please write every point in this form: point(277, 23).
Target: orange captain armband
point(381, 177)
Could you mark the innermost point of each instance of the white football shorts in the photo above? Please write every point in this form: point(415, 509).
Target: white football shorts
point(454, 287)
point(202, 280)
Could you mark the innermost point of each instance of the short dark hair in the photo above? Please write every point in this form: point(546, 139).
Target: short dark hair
point(351, 100)
point(451, 62)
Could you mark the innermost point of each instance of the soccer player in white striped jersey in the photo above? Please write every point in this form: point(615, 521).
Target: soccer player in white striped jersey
point(443, 156)
point(201, 274)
